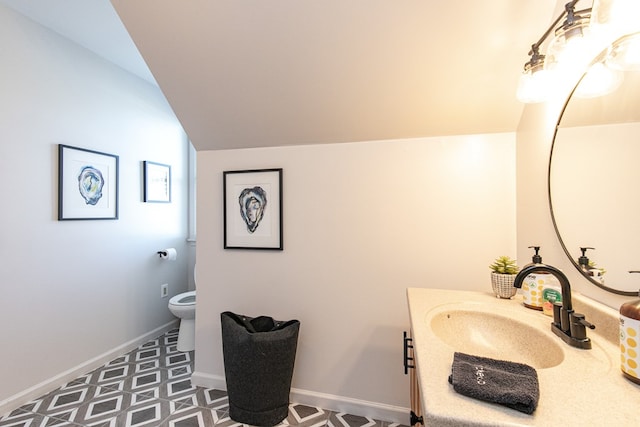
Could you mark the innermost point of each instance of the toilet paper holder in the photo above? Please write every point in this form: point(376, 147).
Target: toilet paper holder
point(169, 254)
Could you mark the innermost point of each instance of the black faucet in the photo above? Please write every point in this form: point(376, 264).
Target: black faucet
point(567, 324)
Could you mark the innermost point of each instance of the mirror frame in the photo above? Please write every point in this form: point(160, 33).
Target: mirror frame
point(599, 58)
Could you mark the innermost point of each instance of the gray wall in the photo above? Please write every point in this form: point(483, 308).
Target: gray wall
point(74, 291)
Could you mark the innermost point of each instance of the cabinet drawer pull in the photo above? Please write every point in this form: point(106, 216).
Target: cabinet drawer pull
point(414, 419)
point(408, 360)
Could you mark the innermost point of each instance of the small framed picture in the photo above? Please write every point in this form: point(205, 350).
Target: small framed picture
point(253, 209)
point(157, 182)
point(87, 184)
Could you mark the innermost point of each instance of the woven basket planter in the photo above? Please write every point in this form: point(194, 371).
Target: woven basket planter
point(502, 285)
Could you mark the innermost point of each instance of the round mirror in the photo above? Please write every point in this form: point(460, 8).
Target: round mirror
point(594, 179)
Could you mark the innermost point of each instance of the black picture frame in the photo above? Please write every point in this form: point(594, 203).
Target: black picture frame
point(87, 184)
point(157, 182)
point(252, 201)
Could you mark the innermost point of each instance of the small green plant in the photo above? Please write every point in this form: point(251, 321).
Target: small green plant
point(504, 265)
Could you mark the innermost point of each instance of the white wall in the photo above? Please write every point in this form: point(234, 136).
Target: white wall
point(75, 290)
point(362, 222)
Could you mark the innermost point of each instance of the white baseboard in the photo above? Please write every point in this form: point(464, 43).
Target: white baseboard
point(376, 411)
point(363, 408)
point(25, 396)
point(200, 379)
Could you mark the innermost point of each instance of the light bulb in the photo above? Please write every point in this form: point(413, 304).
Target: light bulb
point(533, 87)
point(566, 55)
point(617, 17)
point(624, 54)
point(599, 80)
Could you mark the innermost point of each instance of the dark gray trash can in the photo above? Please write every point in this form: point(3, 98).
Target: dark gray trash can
point(259, 354)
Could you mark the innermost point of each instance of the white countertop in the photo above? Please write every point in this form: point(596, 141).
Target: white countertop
point(586, 389)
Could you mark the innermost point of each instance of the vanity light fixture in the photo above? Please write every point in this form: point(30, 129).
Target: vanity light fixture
point(569, 48)
point(578, 35)
point(619, 19)
point(625, 54)
point(569, 30)
point(533, 84)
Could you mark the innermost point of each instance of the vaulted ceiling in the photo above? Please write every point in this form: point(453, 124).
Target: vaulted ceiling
point(251, 73)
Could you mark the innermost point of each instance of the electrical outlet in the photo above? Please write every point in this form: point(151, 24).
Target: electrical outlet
point(164, 290)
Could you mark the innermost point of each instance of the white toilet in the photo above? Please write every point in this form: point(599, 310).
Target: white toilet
point(183, 306)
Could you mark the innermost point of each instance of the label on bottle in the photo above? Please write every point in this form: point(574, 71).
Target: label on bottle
point(532, 290)
point(550, 295)
point(630, 352)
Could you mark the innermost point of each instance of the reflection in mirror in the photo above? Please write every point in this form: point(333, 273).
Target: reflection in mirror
point(594, 182)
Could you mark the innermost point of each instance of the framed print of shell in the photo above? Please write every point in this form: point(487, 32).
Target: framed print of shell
point(87, 184)
point(253, 209)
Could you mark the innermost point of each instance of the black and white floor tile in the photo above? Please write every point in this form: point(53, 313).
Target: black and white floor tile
point(151, 387)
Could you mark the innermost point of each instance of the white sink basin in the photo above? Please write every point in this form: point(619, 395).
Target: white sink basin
point(467, 329)
point(577, 386)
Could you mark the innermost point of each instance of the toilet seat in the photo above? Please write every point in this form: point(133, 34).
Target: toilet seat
point(184, 299)
point(183, 306)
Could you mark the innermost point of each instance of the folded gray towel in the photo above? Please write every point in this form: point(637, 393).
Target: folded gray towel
point(511, 384)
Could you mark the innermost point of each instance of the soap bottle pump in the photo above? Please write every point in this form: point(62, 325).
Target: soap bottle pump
point(532, 286)
point(583, 261)
point(629, 337)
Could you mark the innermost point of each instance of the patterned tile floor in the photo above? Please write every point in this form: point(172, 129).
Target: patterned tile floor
point(150, 386)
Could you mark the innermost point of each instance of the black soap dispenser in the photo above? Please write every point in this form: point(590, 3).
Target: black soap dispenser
point(590, 271)
point(583, 261)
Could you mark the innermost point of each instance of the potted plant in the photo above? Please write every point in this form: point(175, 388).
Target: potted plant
point(503, 274)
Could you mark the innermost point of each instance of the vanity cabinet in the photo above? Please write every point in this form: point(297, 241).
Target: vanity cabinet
point(410, 368)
